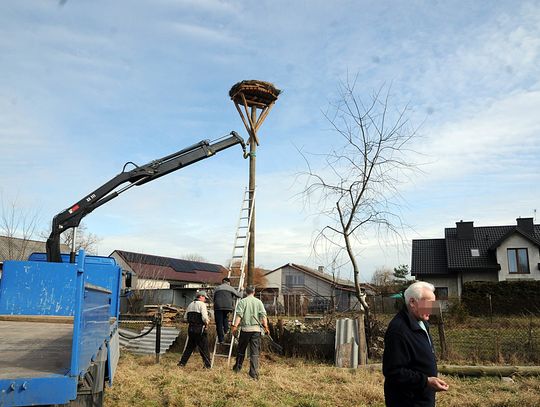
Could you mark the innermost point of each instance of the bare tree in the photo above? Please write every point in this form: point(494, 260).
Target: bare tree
point(84, 239)
point(18, 225)
point(259, 275)
point(383, 277)
point(193, 257)
point(356, 189)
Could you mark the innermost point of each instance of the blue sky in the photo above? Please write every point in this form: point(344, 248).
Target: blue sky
point(87, 86)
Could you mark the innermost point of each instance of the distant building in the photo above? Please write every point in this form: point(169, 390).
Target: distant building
point(12, 248)
point(472, 253)
point(157, 272)
point(321, 290)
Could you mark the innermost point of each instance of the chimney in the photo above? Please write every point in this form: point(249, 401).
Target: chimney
point(464, 230)
point(526, 225)
point(320, 269)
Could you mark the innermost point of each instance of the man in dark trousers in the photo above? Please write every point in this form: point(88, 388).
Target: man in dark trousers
point(224, 296)
point(197, 317)
point(409, 364)
point(250, 317)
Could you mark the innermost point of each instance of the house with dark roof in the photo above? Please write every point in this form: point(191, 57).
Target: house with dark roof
point(318, 287)
point(477, 253)
point(157, 272)
point(13, 248)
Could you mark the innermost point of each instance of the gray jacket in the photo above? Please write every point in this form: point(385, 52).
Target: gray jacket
point(224, 296)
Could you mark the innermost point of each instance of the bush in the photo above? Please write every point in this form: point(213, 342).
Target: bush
point(503, 298)
point(458, 312)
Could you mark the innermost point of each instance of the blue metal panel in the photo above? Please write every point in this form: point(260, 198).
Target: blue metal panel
point(94, 329)
point(88, 290)
point(77, 320)
point(36, 288)
point(53, 389)
point(113, 354)
point(91, 328)
point(100, 271)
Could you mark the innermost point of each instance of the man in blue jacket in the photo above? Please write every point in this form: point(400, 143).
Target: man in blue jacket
point(409, 364)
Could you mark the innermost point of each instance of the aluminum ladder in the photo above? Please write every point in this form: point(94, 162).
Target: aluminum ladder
point(237, 265)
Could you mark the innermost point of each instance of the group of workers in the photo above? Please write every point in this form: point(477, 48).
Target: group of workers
point(250, 320)
point(409, 363)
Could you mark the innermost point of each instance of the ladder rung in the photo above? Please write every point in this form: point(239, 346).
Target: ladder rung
point(242, 227)
point(239, 247)
point(222, 355)
point(244, 217)
point(237, 257)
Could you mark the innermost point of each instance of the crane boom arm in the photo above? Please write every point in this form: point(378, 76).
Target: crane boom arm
point(71, 217)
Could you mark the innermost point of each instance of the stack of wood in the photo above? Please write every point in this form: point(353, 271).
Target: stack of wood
point(172, 314)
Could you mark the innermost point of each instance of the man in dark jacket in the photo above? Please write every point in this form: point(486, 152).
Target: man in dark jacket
point(224, 296)
point(409, 364)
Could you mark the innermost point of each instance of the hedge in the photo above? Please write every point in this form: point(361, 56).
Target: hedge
point(507, 297)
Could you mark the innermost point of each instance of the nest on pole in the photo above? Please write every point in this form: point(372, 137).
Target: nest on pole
point(254, 94)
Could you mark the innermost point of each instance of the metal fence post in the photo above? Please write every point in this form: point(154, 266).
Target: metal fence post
point(159, 322)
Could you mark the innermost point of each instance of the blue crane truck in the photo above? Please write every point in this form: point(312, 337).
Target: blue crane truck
point(59, 312)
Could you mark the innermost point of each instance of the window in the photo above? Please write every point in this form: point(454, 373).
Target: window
point(518, 261)
point(441, 293)
point(475, 252)
point(294, 280)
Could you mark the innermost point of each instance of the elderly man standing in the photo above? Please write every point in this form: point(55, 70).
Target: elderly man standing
point(250, 316)
point(197, 318)
point(409, 364)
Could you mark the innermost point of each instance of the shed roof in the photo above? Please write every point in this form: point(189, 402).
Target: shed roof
point(13, 248)
point(172, 269)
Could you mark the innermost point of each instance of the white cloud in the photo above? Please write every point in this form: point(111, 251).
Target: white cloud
point(205, 34)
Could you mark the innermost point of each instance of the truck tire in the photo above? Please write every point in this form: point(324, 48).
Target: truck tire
point(87, 400)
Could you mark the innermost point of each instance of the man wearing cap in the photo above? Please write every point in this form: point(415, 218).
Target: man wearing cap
point(197, 317)
point(250, 316)
point(224, 296)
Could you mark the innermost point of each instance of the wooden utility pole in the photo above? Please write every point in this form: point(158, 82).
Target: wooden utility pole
point(248, 96)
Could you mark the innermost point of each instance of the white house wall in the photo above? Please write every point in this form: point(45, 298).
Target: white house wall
point(147, 284)
point(314, 284)
point(120, 261)
point(273, 279)
point(448, 281)
point(468, 275)
point(517, 241)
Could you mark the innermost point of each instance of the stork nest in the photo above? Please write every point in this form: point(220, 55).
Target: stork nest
point(257, 93)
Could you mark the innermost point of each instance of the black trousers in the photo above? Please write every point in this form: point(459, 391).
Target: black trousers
point(222, 323)
point(196, 340)
point(253, 339)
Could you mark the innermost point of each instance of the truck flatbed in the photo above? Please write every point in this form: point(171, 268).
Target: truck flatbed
point(30, 349)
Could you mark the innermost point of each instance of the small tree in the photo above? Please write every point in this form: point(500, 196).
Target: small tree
point(383, 277)
point(18, 224)
point(193, 257)
point(85, 240)
point(401, 272)
point(356, 190)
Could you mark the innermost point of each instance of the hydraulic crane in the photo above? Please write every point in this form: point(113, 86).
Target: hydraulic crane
point(71, 217)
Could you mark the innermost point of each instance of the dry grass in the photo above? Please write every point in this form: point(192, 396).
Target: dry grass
point(288, 382)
